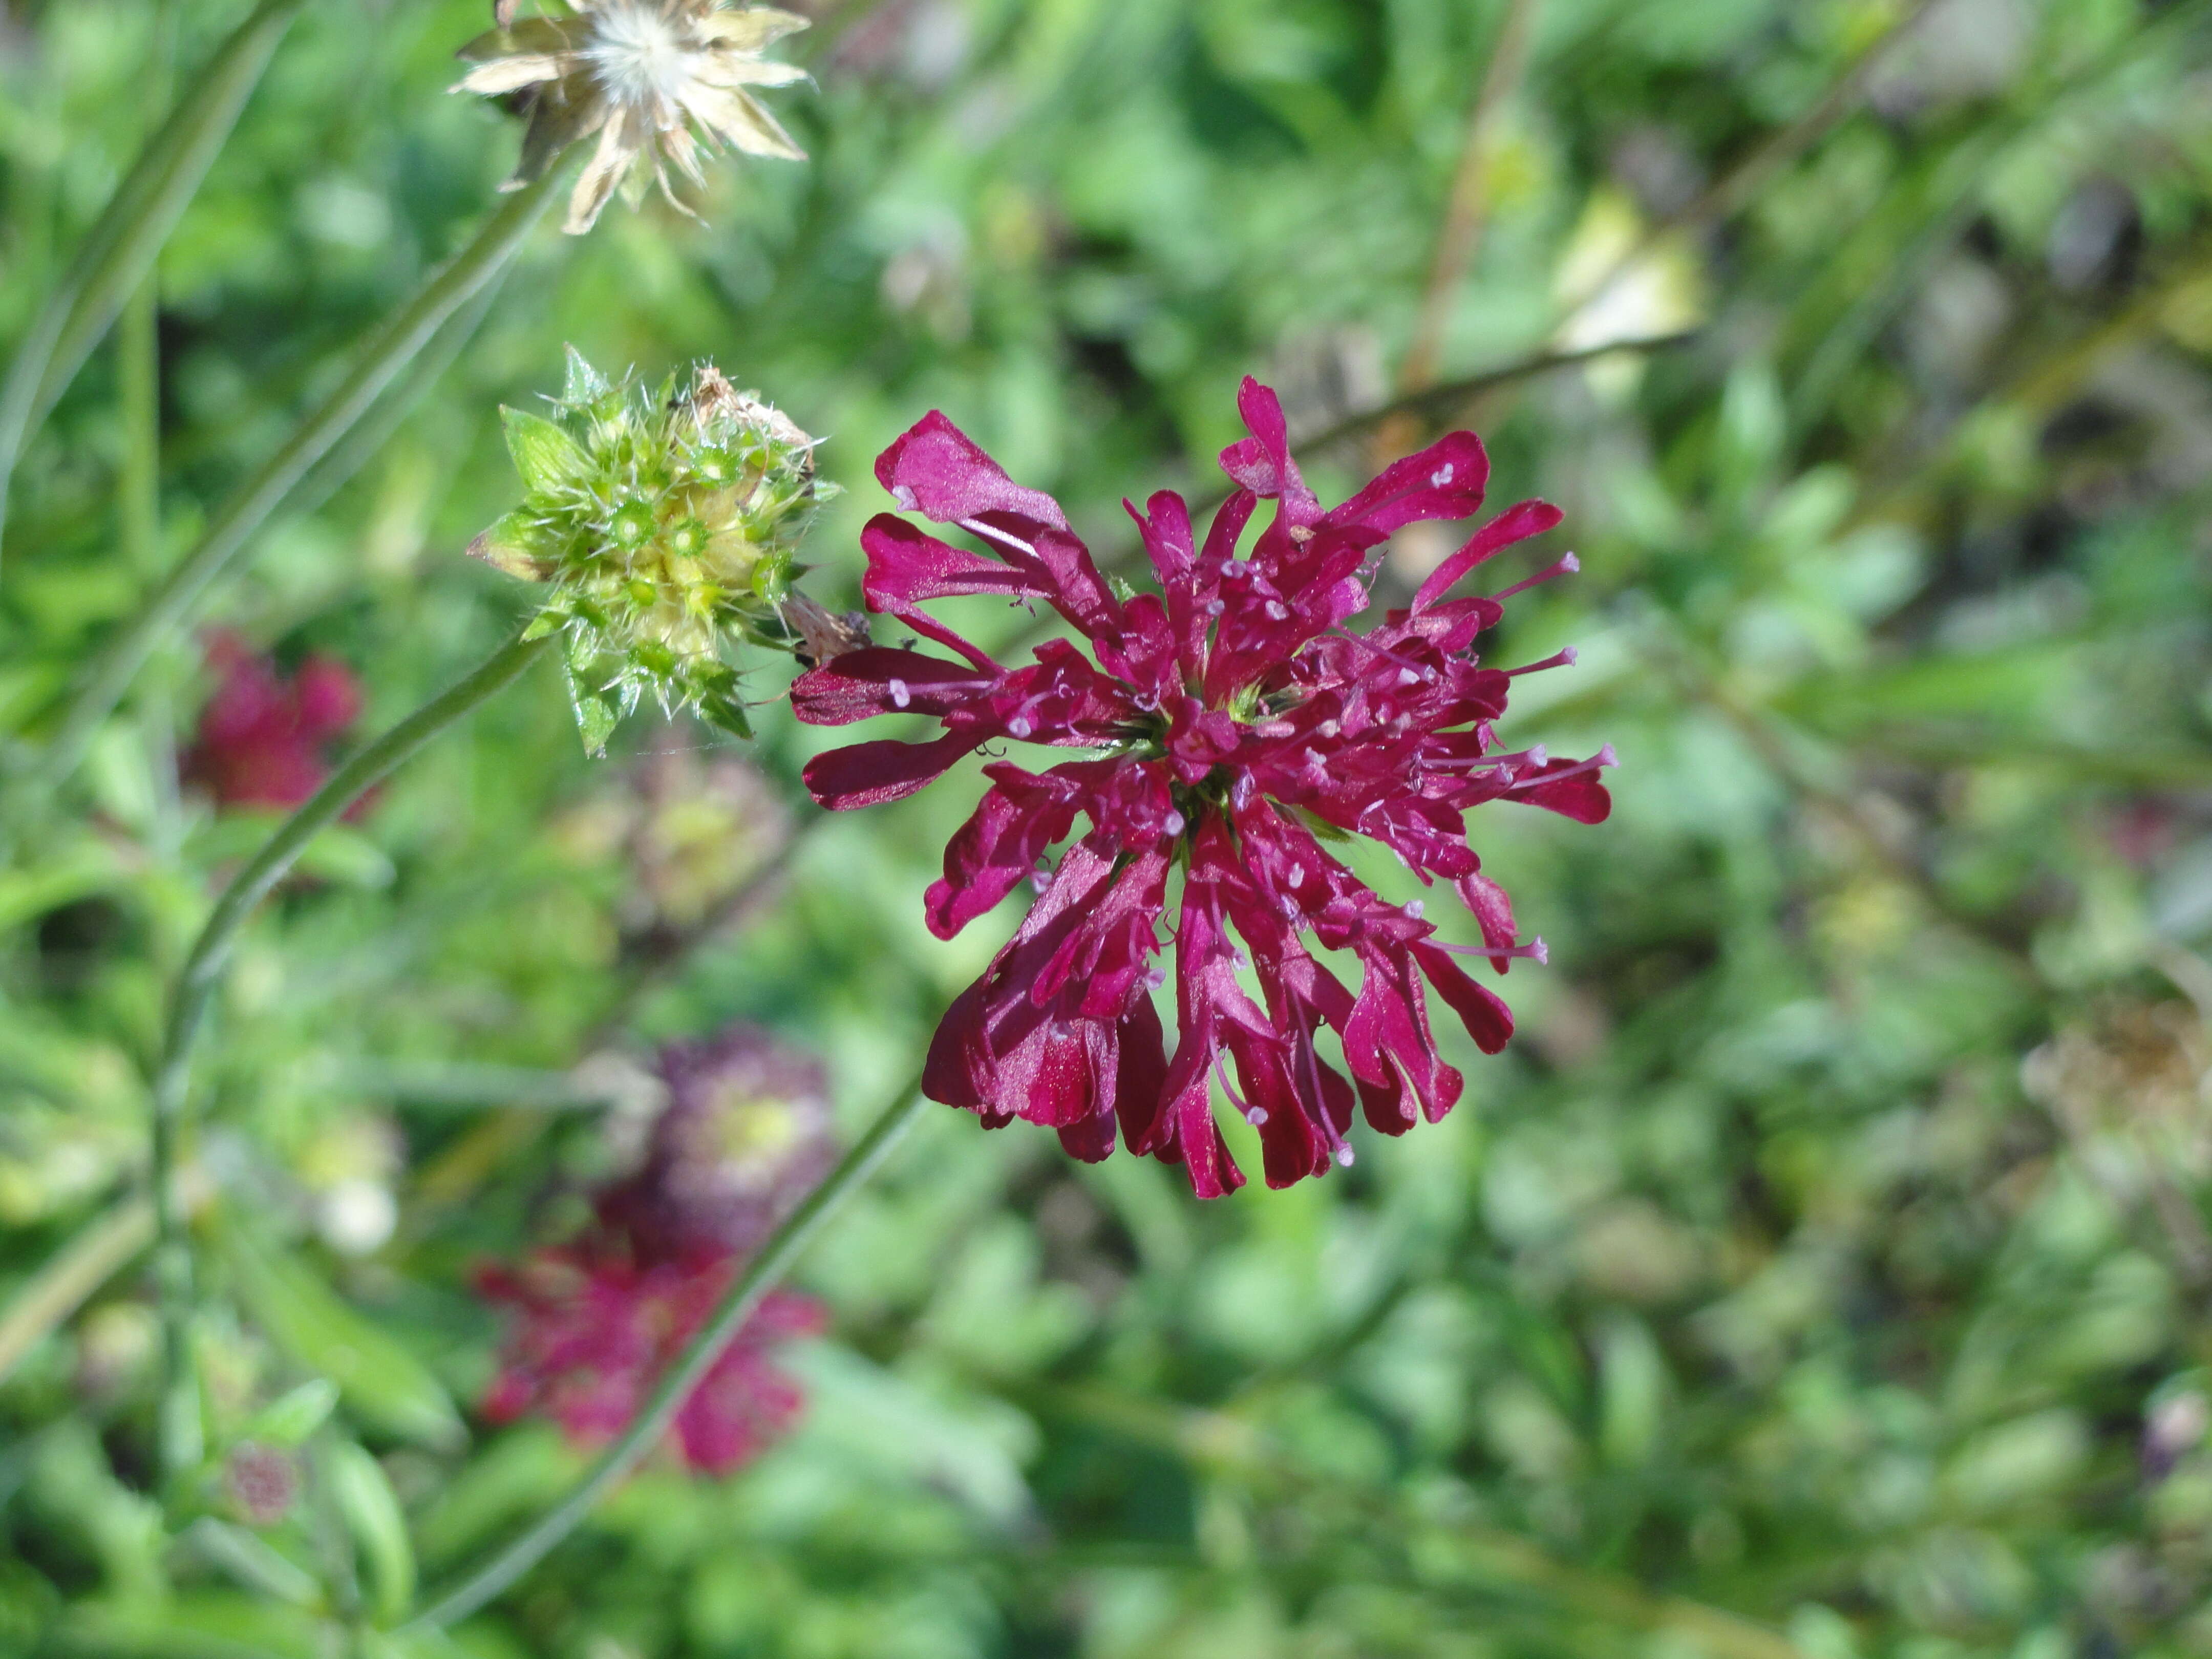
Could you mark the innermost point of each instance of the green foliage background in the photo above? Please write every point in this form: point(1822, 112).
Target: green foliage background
point(1822, 1271)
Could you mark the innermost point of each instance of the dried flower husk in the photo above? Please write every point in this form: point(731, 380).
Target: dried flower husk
point(642, 76)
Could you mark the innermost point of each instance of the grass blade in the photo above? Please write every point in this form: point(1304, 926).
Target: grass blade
point(121, 247)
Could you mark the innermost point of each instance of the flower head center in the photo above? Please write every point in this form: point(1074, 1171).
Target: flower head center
point(638, 53)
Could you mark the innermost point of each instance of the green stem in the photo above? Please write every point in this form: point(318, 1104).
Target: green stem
point(387, 355)
point(698, 1358)
point(138, 489)
point(120, 248)
point(203, 968)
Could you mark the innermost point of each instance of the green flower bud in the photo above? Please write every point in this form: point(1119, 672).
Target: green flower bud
point(665, 524)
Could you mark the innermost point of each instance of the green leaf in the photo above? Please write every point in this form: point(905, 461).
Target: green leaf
point(511, 545)
point(545, 455)
point(599, 711)
point(222, 1625)
point(348, 857)
point(251, 1561)
point(380, 1380)
point(76, 871)
point(372, 1512)
point(715, 692)
point(584, 383)
point(290, 1420)
point(772, 576)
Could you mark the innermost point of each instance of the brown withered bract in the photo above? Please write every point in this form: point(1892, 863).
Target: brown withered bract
point(641, 75)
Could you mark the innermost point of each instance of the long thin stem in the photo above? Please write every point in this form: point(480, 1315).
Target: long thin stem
point(138, 485)
point(1438, 400)
point(120, 248)
point(203, 968)
point(386, 358)
point(1470, 197)
point(698, 1358)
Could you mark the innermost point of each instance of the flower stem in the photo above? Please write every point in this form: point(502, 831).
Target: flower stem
point(203, 972)
point(698, 1358)
point(119, 250)
point(395, 345)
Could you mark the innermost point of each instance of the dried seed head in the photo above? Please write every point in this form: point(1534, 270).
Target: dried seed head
point(642, 75)
point(262, 1482)
point(666, 523)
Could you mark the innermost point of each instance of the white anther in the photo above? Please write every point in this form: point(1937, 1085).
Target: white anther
point(900, 696)
point(904, 495)
point(1413, 908)
point(1343, 1157)
point(1019, 726)
point(1174, 824)
point(1276, 612)
point(1442, 476)
point(1256, 1116)
point(1297, 876)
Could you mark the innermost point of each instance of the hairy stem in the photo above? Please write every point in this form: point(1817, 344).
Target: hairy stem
point(744, 1295)
point(387, 355)
point(203, 972)
point(119, 250)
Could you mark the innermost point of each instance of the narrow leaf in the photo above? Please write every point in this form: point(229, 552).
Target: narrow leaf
point(288, 1421)
point(597, 712)
point(379, 1525)
point(379, 1379)
point(544, 455)
point(251, 1561)
point(120, 248)
point(510, 546)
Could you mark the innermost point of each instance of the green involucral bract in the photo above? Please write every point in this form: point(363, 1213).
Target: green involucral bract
point(665, 522)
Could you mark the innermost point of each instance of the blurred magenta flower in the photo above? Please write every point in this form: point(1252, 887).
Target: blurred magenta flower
point(262, 739)
point(746, 1134)
point(594, 1328)
point(1233, 722)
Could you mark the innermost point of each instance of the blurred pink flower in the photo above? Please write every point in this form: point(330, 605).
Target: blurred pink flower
point(746, 1134)
point(262, 739)
point(594, 1329)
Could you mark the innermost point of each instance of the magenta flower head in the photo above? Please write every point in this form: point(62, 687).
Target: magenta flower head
point(261, 739)
point(594, 1330)
point(1232, 724)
